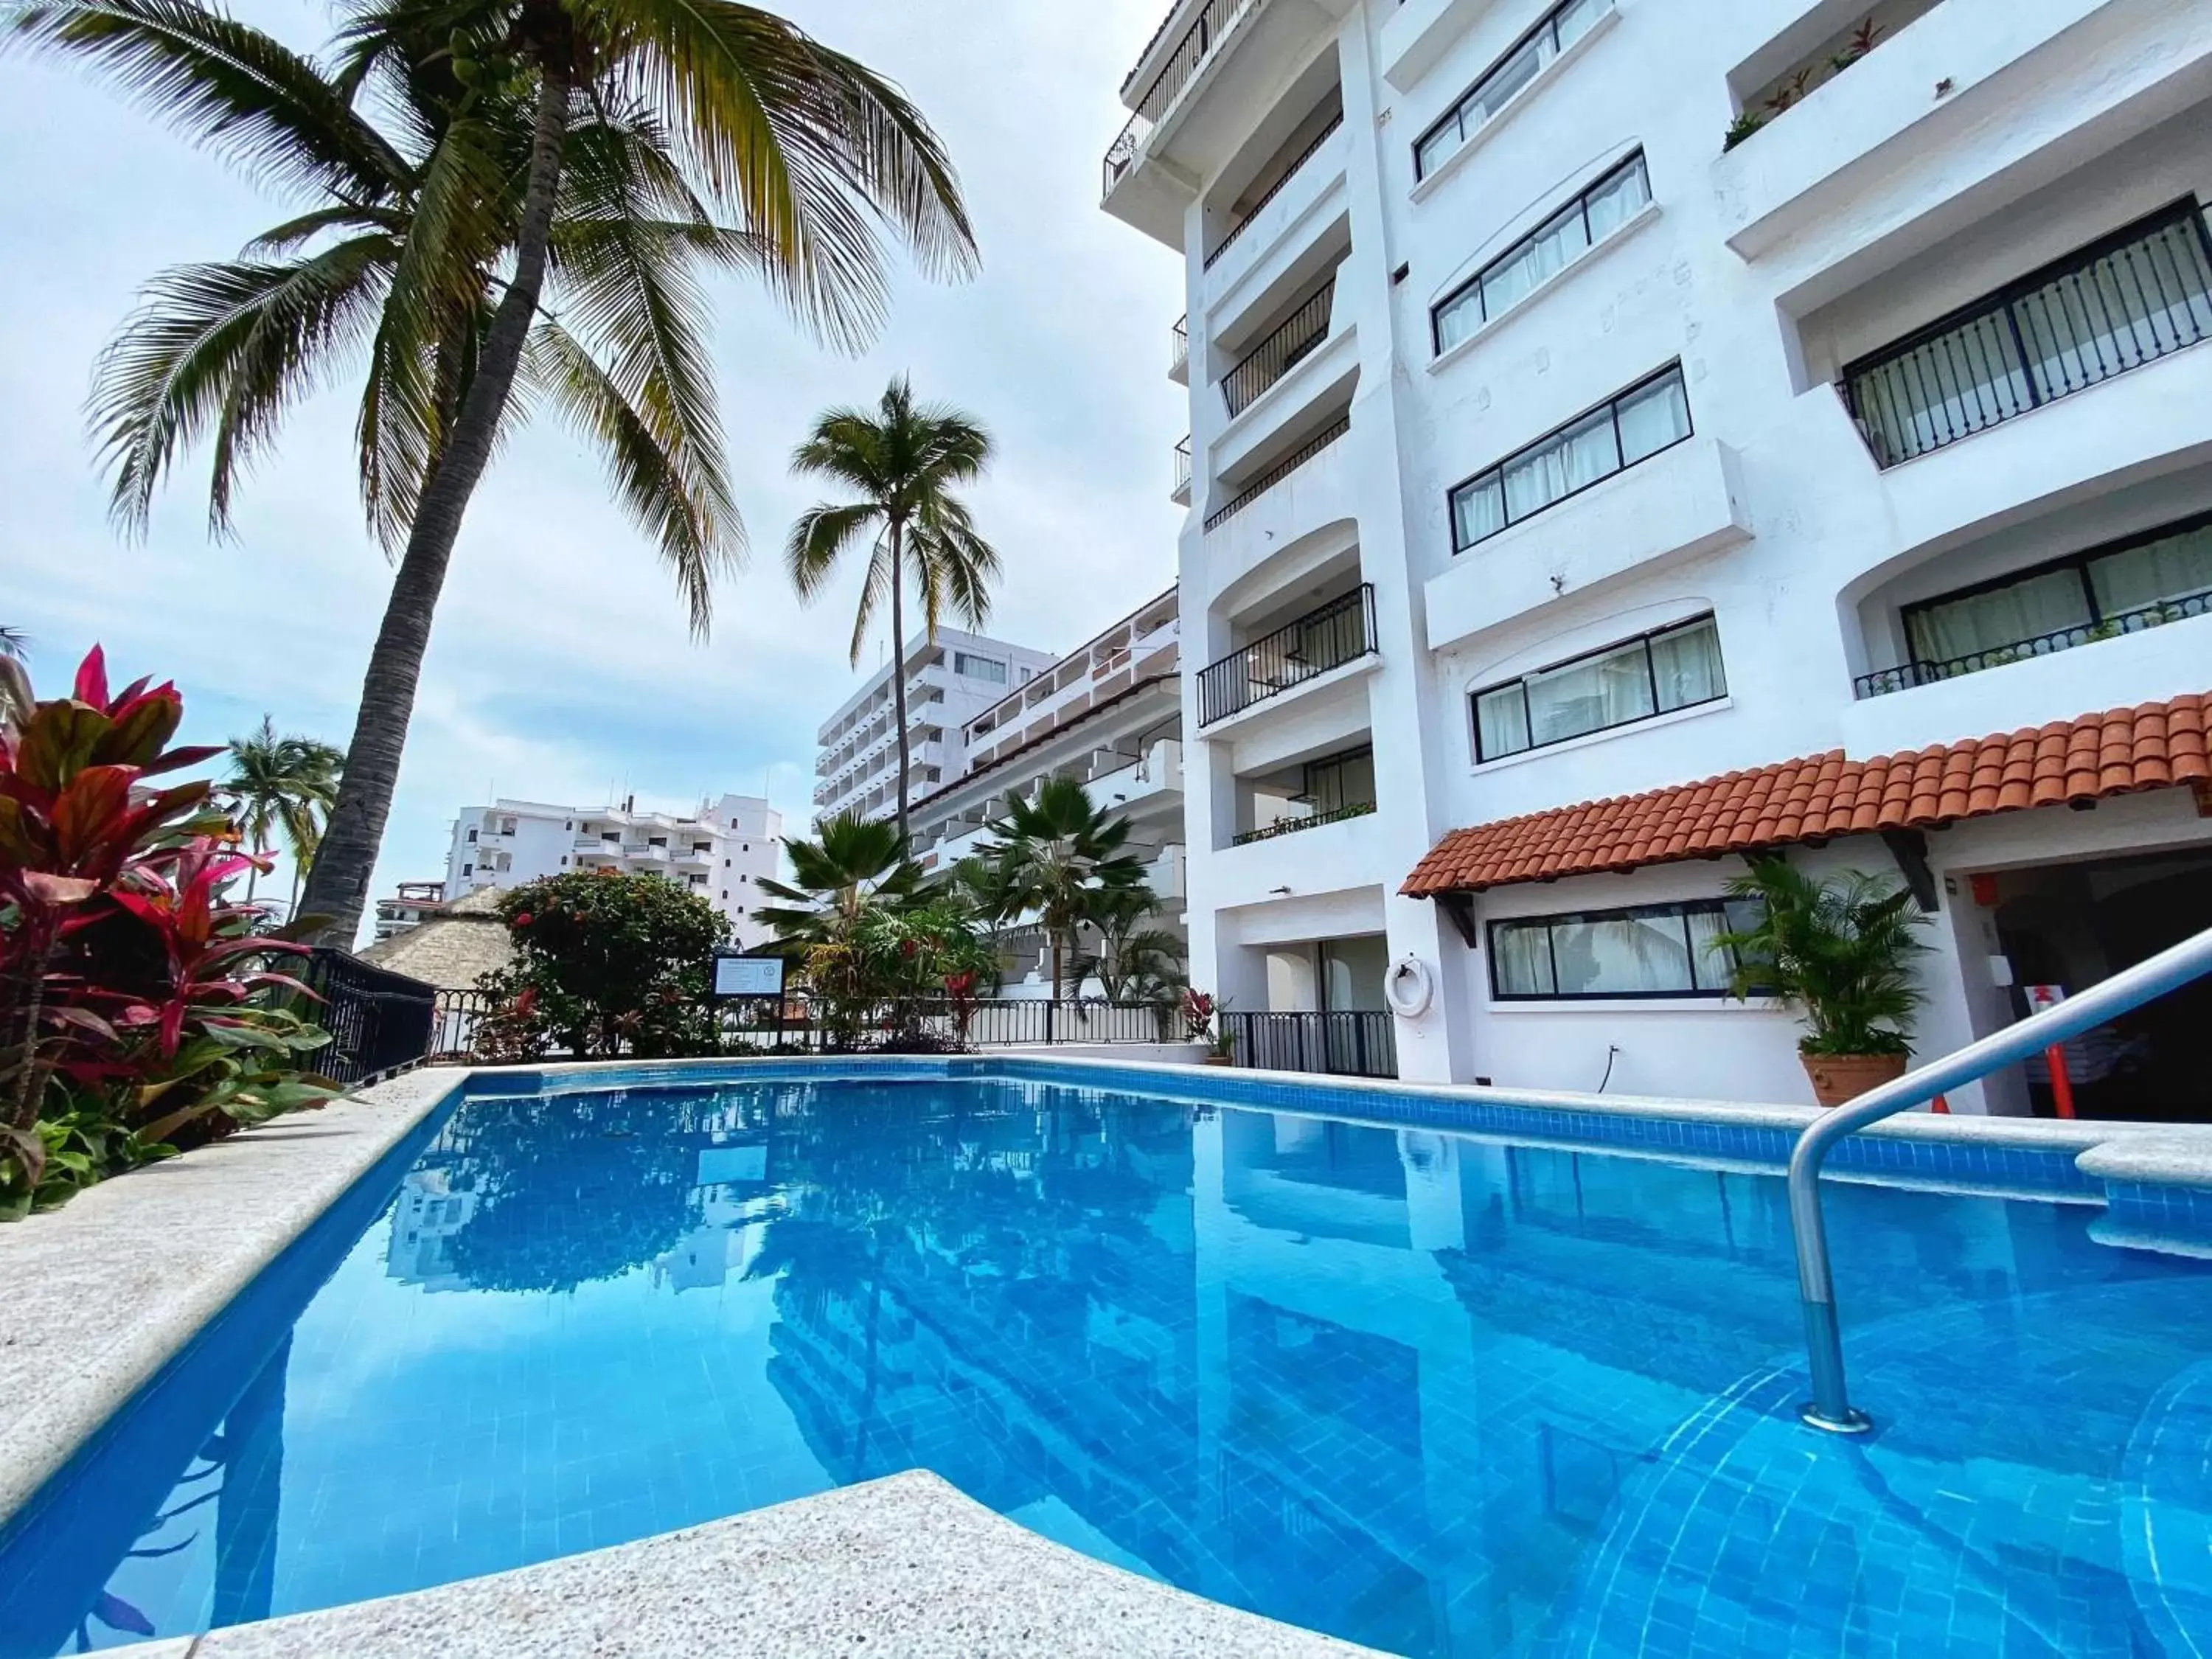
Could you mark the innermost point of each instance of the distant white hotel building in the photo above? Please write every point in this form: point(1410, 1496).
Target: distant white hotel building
point(722, 852)
point(950, 680)
point(1627, 434)
point(1108, 715)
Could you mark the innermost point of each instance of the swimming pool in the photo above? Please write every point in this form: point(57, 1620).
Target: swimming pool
point(1440, 1393)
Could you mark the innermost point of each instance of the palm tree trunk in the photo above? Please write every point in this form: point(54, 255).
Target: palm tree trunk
point(338, 886)
point(898, 669)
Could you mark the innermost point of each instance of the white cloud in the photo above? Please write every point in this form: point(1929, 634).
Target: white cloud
point(562, 667)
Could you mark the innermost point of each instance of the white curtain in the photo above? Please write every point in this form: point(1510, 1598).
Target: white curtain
point(1687, 667)
point(1653, 418)
point(1577, 458)
point(1590, 696)
point(1622, 956)
point(1521, 959)
point(1501, 722)
point(2174, 569)
point(1618, 198)
point(2002, 617)
point(1479, 510)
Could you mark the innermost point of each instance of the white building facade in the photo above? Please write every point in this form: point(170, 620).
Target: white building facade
point(950, 680)
point(1108, 715)
point(722, 852)
point(1591, 399)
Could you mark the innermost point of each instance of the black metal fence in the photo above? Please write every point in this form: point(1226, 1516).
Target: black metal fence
point(1282, 182)
point(1289, 343)
point(2138, 295)
point(1340, 632)
point(1341, 1042)
point(1281, 470)
point(379, 1022)
point(1923, 672)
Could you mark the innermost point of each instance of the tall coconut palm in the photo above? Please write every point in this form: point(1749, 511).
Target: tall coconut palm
point(906, 463)
point(1056, 855)
point(280, 785)
point(14, 643)
point(526, 223)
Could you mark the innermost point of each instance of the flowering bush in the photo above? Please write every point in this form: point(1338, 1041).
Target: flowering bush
point(139, 1010)
point(604, 965)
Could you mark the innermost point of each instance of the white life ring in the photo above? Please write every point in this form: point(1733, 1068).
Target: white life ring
point(1410, 987)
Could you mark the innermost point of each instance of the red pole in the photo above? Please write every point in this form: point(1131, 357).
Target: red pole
point(2062, 1086)
point(1940, 1105)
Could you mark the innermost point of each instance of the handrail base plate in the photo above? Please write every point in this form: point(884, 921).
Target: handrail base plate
point(1853, 1421)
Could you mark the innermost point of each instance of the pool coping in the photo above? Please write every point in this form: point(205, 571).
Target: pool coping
point(165, 1249)
point(907, 1566)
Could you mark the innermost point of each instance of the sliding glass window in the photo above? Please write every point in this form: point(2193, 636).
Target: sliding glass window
point(1561, 240)
point(1655, 674)
point(1651, 950)
point(1650, 417)
point(1500, 84)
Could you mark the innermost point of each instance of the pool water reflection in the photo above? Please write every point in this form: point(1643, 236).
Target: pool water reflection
point(1439, 1394)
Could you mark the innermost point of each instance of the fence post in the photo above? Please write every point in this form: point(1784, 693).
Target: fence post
point(1051, 1018)
point(1359, 1045)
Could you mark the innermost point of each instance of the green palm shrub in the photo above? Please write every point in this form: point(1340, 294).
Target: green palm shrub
point(1840, 951)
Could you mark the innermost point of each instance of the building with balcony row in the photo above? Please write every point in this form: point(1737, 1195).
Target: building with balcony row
point(722, 852)
point(1108, 715)
point(950, 680)
point(1623, 442)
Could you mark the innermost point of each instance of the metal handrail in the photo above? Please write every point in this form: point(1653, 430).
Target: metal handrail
point(1830, 1407)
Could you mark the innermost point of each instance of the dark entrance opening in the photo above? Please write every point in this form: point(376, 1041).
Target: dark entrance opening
point(2076, 924)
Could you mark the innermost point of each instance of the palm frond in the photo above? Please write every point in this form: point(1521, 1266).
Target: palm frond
point(659, 484)
point(223, 346)
point(224, 84)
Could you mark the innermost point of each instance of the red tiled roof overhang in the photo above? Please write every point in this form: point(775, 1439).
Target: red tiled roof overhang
point(2153, 746)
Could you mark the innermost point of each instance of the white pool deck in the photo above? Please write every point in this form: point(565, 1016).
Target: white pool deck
point(104, 1292)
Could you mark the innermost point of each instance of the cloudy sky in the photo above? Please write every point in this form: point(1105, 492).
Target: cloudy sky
point(561, 668)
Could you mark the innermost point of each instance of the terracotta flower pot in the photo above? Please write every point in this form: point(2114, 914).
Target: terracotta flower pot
point(1840, 1078)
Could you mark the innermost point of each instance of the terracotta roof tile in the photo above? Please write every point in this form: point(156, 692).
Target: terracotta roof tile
point(2155, 746)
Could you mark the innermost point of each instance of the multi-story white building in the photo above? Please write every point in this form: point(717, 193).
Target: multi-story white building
point(950, 680)
point(1108, 715)
point(415, 903)
point(1627, 434)
point(722, 852)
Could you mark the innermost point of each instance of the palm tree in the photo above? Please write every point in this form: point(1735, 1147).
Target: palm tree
point(286, 784)
point(1136, 961)
point(15, 684)
point(904, 463)
point(14, 642)
point(528, 224)
point(1056, 854)
point(842, 887)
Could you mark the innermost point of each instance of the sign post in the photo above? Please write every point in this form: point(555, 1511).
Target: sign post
point(2041, 997)
point(750, 979)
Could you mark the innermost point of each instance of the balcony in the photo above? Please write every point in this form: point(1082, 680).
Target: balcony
point(1297, 338)
point(1179, 352)
point(1297, 165)
point(1158, 773)
point(1944, 119)
point(1340, 632)
point(1166, 875)
point(1209, 67)
point(1292, 826)
point(1912, 675)
point(2143, 294)
point(1279, 471)
point(1181, 493)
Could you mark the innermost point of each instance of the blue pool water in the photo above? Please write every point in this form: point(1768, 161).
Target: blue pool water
point(1442, 1394)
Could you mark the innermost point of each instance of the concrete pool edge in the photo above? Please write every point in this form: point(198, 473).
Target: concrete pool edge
point(111, 1288)
point(906, 1564)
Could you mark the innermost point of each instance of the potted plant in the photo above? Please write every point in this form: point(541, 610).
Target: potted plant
point(1840, 952)
point(1199, 1009)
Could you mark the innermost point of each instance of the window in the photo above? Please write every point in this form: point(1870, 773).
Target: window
point(1676, 668)
point(468, 869)
point(1341, 782)
point(1550, 248)
point(1652, 950)
point(1649, 417)
point(979, 668)
point(1502, 81)
point(2121, 588)
point(472, 837)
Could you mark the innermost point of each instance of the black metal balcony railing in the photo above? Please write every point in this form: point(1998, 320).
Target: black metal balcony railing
point(1340, 632)
point(1300, 335)
point(2141, 294)
point(1282, 826)
point(1214, 21)
point(1340, 1043)
point(1296, 167)
point(1275, 474)
point(1911, 674)
point(1182, 471)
